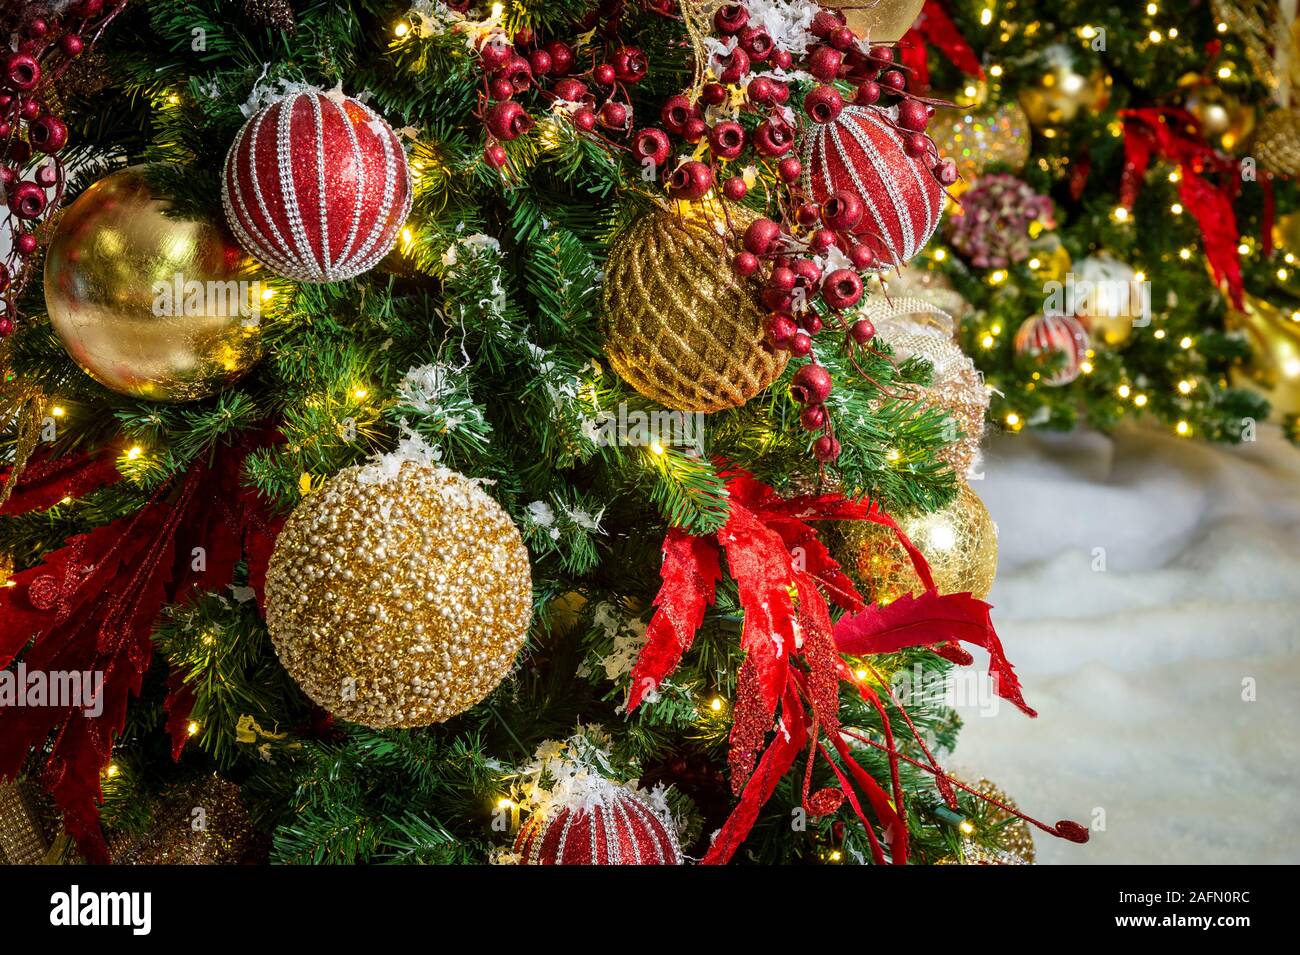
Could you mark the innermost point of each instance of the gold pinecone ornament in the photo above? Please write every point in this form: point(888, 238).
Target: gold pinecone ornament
point(680, 326)
point(398, 594)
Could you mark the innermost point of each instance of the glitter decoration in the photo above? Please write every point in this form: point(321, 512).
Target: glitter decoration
point(1011, 833)
point(200, 823)
point(1060, 92)
point(22, 836)
point(862, 152)
point(277, 14)
point(1277, 143)
point(398, 594)
point(998, 221)
point(981, 139)
point(680, 326)
point(316, 187)
point(960, 541)
point(1042, 338)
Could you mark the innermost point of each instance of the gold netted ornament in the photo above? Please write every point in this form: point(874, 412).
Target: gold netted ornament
point(1277, 143)
point(959, 541)
point(398, 594)
point(22, 836)
point(202, 822)
point(680, 326)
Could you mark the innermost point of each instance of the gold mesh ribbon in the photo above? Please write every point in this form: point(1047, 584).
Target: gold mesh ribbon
point(22, 842)
point(22, 408)
point(698, 15)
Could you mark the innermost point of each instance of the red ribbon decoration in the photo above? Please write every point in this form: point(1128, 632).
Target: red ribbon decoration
point(934, 26)
point(1174, 135)
point(792, 670)
point(91, 606)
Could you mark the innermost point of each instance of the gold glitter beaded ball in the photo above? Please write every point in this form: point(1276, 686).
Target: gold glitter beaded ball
point(398, 594)
point(1277, 145)
point(680, 326)
point(959, 541)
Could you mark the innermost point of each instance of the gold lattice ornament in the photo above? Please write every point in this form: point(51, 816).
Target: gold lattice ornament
point(203, 822)
point(1277, 142)
point(680, 326)
point(22, 837)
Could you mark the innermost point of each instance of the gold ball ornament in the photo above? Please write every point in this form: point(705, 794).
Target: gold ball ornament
point(1060, 92)
point(151, 306)
point(881, 21)
point(1286, 233)
point(1011, 833)
point(200, 823)
point(680, 326)
point(960, 542)
point(1274, 365)
point(1277, 143)
point(915, 281)
point(979, 139)
point(398, 594)
point(1225, 119)
point(1109, 299)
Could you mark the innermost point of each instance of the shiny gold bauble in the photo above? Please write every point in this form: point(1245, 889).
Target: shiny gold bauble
point(957, 386)
point(398, 594)
point(680, 326)
point(1049, 259)
point(979, 139)
point(1225, 119)
point(1059, 93)
point(1277, 143)
point(960, 542)
point(880, 21)
point(112, 278)
point(1286, 233)
point(1274, 365)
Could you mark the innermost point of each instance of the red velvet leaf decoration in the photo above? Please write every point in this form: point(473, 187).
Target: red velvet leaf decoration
point(926, 620)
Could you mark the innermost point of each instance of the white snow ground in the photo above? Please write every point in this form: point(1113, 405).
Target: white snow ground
point(1137, 671)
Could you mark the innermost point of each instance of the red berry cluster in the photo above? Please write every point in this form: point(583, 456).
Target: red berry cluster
point(594, 95)
point(806, 251)
point(32, 135)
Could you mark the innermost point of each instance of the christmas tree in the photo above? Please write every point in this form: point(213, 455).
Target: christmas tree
point(464, 429)
point(1146, 153)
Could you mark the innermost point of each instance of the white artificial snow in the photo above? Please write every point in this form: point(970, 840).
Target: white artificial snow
point(1137, 670)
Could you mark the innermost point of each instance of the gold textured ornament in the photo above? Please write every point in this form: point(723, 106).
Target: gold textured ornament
point(979, 139)
point(398, 594)
point(1011, 833)
point(1049, 259)
point(22, 411)
point(1286, 233)
point(1274, 365)
point(880, 21)
point(162, 308)
point(680, 326)
point(960, 542)
point(1113, 298)
point(23, 840)
point(1277, 143)
point(1225, 119)
point(915, 281)
point(199, 823)
point(1059, 92)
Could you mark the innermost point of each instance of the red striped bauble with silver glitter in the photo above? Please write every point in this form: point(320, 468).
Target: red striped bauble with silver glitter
point(1044, 336)
point(862, 152)
point(613, 827)
point(316, 187)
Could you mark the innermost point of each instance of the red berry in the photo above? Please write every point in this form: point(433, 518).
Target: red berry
point(745, 263)
point(811, 385)
point(780, 330)
point(782, 59)
point(810, 322)
point(561, 57)
point(862, 331)
point(731, 18)
point(913, 115)
point(495, 156)
point(519, 73)
point(695, 130)
point(774, 138)
point(629, 64)
point(868, 93)
point(822, 241)
point(782, 279)
point(614, 115)
point(570, 90)
point(6, 326)
point(727, 140)
point(946, 172)
point(652, 144)
point(826, 22)
point(825, 63)
point(826, 448)
point(789, 169)
point(539, 61)
point(493, 54)
point(800, 345)
point(27, 200)
point(842, 289)
point(735, 188)
point(757, 43)
point(761, 236)
point(715, 94)
point(808, 273)
point(690, 181)
point(823, 104)
point(734, 66)
point(894, 80)
point(501, 88)
point(47, 176)
point(843, 211)
point(38, 28)
point(508, 121)
point(605, 75)
point(862, 257)
point(883, 55)
point(26, 244)
point(760, 90)
point(809, 213)
point(917, 145)
point(676, 113)
point(813, 418)
point(22, 72)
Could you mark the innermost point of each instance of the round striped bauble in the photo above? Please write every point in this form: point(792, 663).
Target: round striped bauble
point(316, 187)
point(1046, 336)
point(611, 826)
point(861, 151)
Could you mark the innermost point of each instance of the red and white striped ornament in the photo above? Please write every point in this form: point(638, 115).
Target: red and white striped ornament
point(861, 151)
point(1049, 335)
point(316, 187)
point(612, 826)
